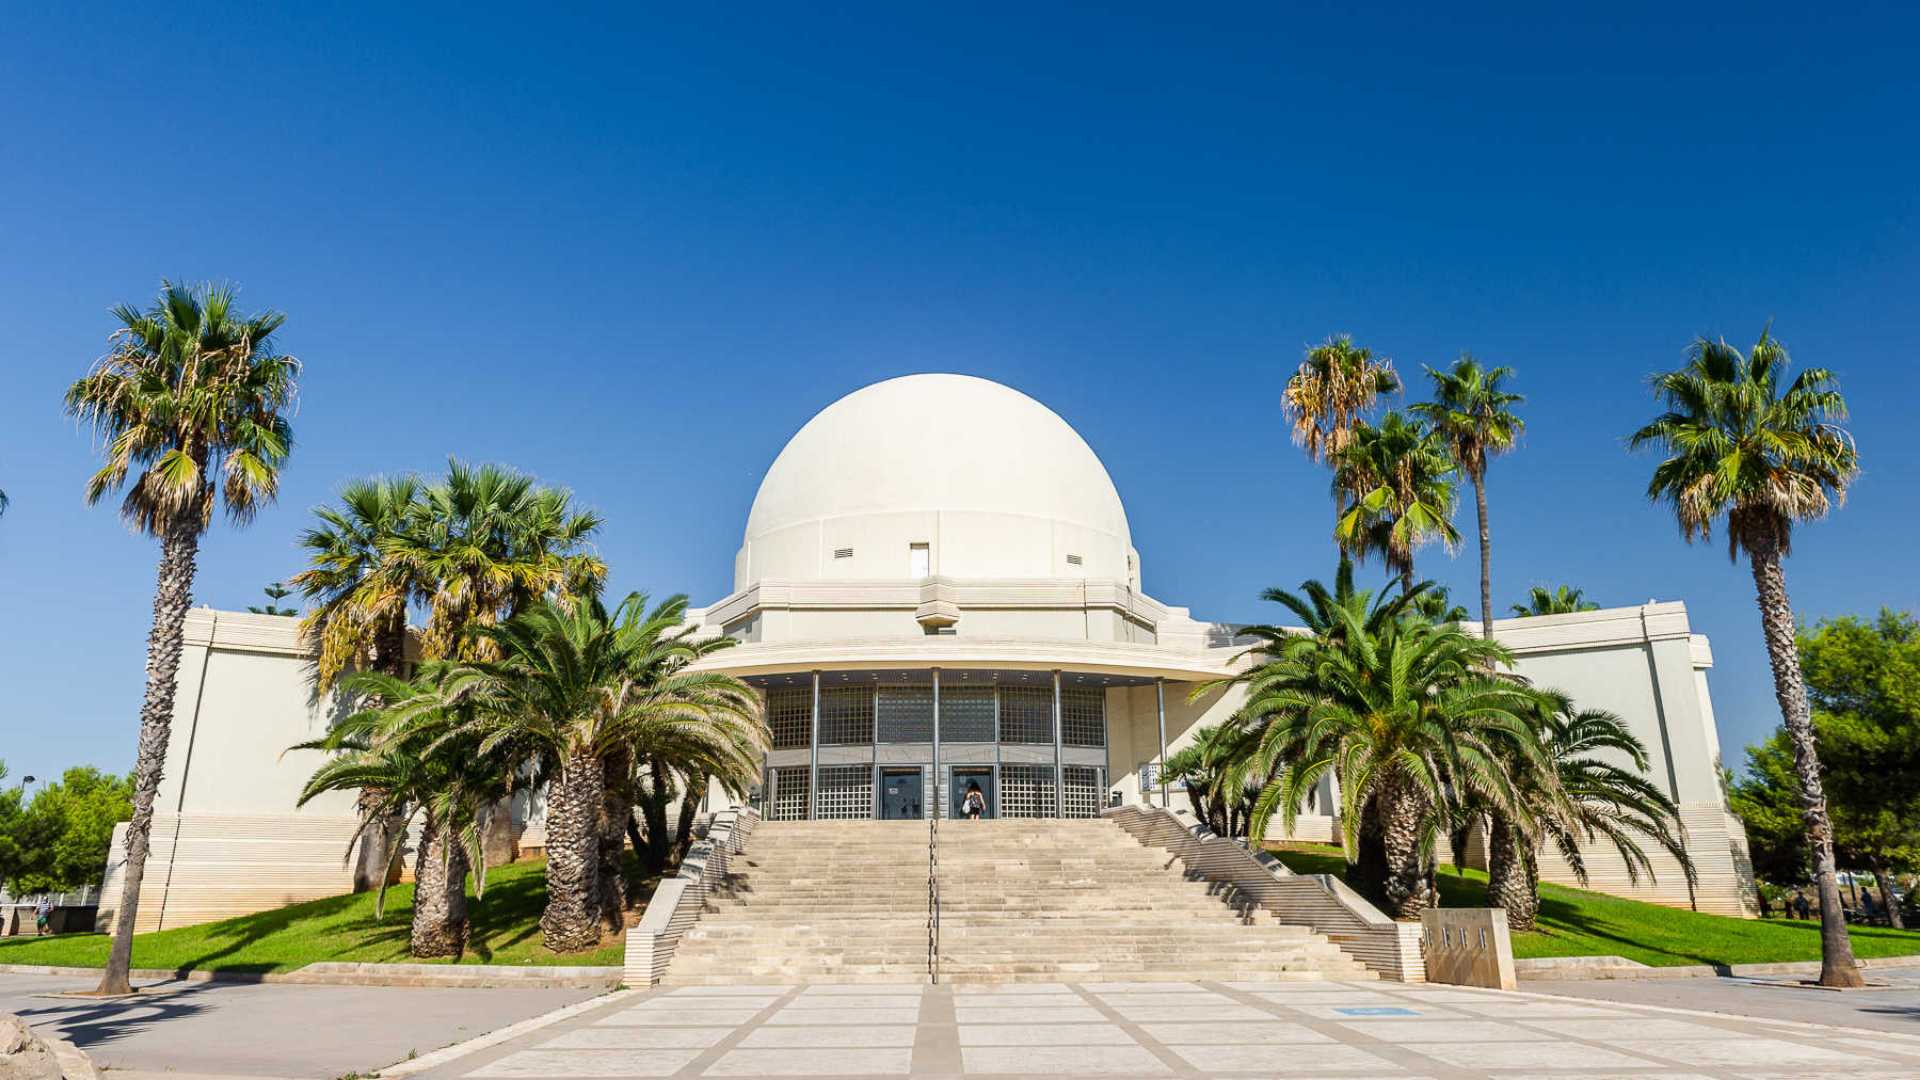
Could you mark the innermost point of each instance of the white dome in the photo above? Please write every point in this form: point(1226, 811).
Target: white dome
point(992, 482)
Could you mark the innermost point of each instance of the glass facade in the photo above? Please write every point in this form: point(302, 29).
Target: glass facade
point(1000, 737)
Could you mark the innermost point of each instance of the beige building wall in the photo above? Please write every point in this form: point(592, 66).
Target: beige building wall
point(227, 838)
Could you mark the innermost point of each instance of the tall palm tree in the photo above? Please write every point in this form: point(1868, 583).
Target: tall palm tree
point(1472, 414)
point(578, 685)
point(1559, 600)
point(190, 406)
point(1398, 476)
point(1403, 712)
point(360, 620)
point(1589, 795)
point(1336, 385)
point(403, 749)
point(492, 541)
point(1744, 444)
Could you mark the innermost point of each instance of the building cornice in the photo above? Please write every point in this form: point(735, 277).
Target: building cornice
point(937, 650)
point(1012, 594)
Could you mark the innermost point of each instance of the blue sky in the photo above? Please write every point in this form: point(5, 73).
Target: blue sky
point(633, 251)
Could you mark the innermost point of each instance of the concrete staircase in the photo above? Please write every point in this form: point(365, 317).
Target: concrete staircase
point(1020, 901)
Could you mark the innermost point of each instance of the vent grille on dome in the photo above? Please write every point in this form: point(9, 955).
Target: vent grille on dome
point(843, 553)
point(1073, 560)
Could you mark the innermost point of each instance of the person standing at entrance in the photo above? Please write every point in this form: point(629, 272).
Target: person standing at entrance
point(975, 803)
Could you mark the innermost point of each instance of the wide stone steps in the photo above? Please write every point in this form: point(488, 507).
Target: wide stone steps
point(846, 901)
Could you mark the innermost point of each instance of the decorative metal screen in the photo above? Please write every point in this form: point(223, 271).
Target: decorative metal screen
point(1026, 714)
point(966, 714)
point(846, 791)
point(789, 784)
point(1026, 791)
point(790, 716)
point(1083, 790)
point(1083, 717)
point(846, 717)
point(905, 714)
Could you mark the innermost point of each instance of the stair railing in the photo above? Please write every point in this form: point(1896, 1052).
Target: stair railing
point(933, 896)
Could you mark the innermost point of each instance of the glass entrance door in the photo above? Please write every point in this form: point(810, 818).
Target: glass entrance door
point(900, 794)
point(965, 779)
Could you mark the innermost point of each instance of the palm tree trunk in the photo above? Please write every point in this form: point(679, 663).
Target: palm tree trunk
point(1509, 885)
point(654, 808)
point(1837, 965)
point(172, 594)
point(439, 895)
point(571, 922)
point(1486, 556)
point(1884, 876)
point(1369, 873)
point(1406, 579)
point(374, 862)
point(690, 802)
point(617, 809)
point(1407, 893)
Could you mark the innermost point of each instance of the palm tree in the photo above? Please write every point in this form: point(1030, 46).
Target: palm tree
point(189, 405)
point(404, 750)
point(360, 621)
point(1337, 384)
point(1560, 600)
point(1405, 714)
point(578, 686)
point(1397, 475)
point(492, 541)
point(1205, 768)
point(1474, 417)
point(1763, 456)
point(1587, 796)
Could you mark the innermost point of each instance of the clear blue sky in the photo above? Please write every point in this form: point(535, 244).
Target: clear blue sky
point(632, 252)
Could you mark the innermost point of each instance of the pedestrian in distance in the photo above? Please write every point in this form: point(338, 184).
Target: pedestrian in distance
point(975, 803)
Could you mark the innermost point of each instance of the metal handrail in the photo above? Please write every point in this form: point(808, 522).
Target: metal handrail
point(933, 895)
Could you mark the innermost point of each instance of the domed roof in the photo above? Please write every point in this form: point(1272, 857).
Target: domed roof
point(994, 482)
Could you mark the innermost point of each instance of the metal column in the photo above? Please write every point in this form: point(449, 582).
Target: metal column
point(1059, 777)
point(813, 751)
point(937, 805)
point(1160, 700)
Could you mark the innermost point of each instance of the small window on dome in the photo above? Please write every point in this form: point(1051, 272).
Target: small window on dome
point(1073, 560)
point(843, 553)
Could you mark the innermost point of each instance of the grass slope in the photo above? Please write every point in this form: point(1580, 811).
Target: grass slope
point(505, 930)
point(1576, 922)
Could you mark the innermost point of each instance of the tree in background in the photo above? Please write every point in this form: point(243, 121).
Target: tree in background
point(1743, 447)
point(190, 408)
point(1435, 604)
point(1863, 678)
point(66, 828)
point(1472, 413)
point(276, 592)
point(1397, 476)
point(1767, 801)
point(1559, 600)
point(12, 810)
point(1337, 384)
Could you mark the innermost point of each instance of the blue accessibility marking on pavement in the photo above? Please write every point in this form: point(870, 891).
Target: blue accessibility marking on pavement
point(1377, 1010)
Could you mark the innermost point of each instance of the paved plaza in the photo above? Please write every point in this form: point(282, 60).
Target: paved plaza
point(181, 1029)
point(1233, 1029)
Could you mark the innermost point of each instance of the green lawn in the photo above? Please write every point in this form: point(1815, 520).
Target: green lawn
point(1575, 922)
point(505, 930)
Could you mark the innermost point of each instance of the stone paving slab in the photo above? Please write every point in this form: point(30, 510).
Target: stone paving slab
point(1329, 1030)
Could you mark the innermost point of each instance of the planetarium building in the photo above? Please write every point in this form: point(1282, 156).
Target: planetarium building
point(936, 591)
